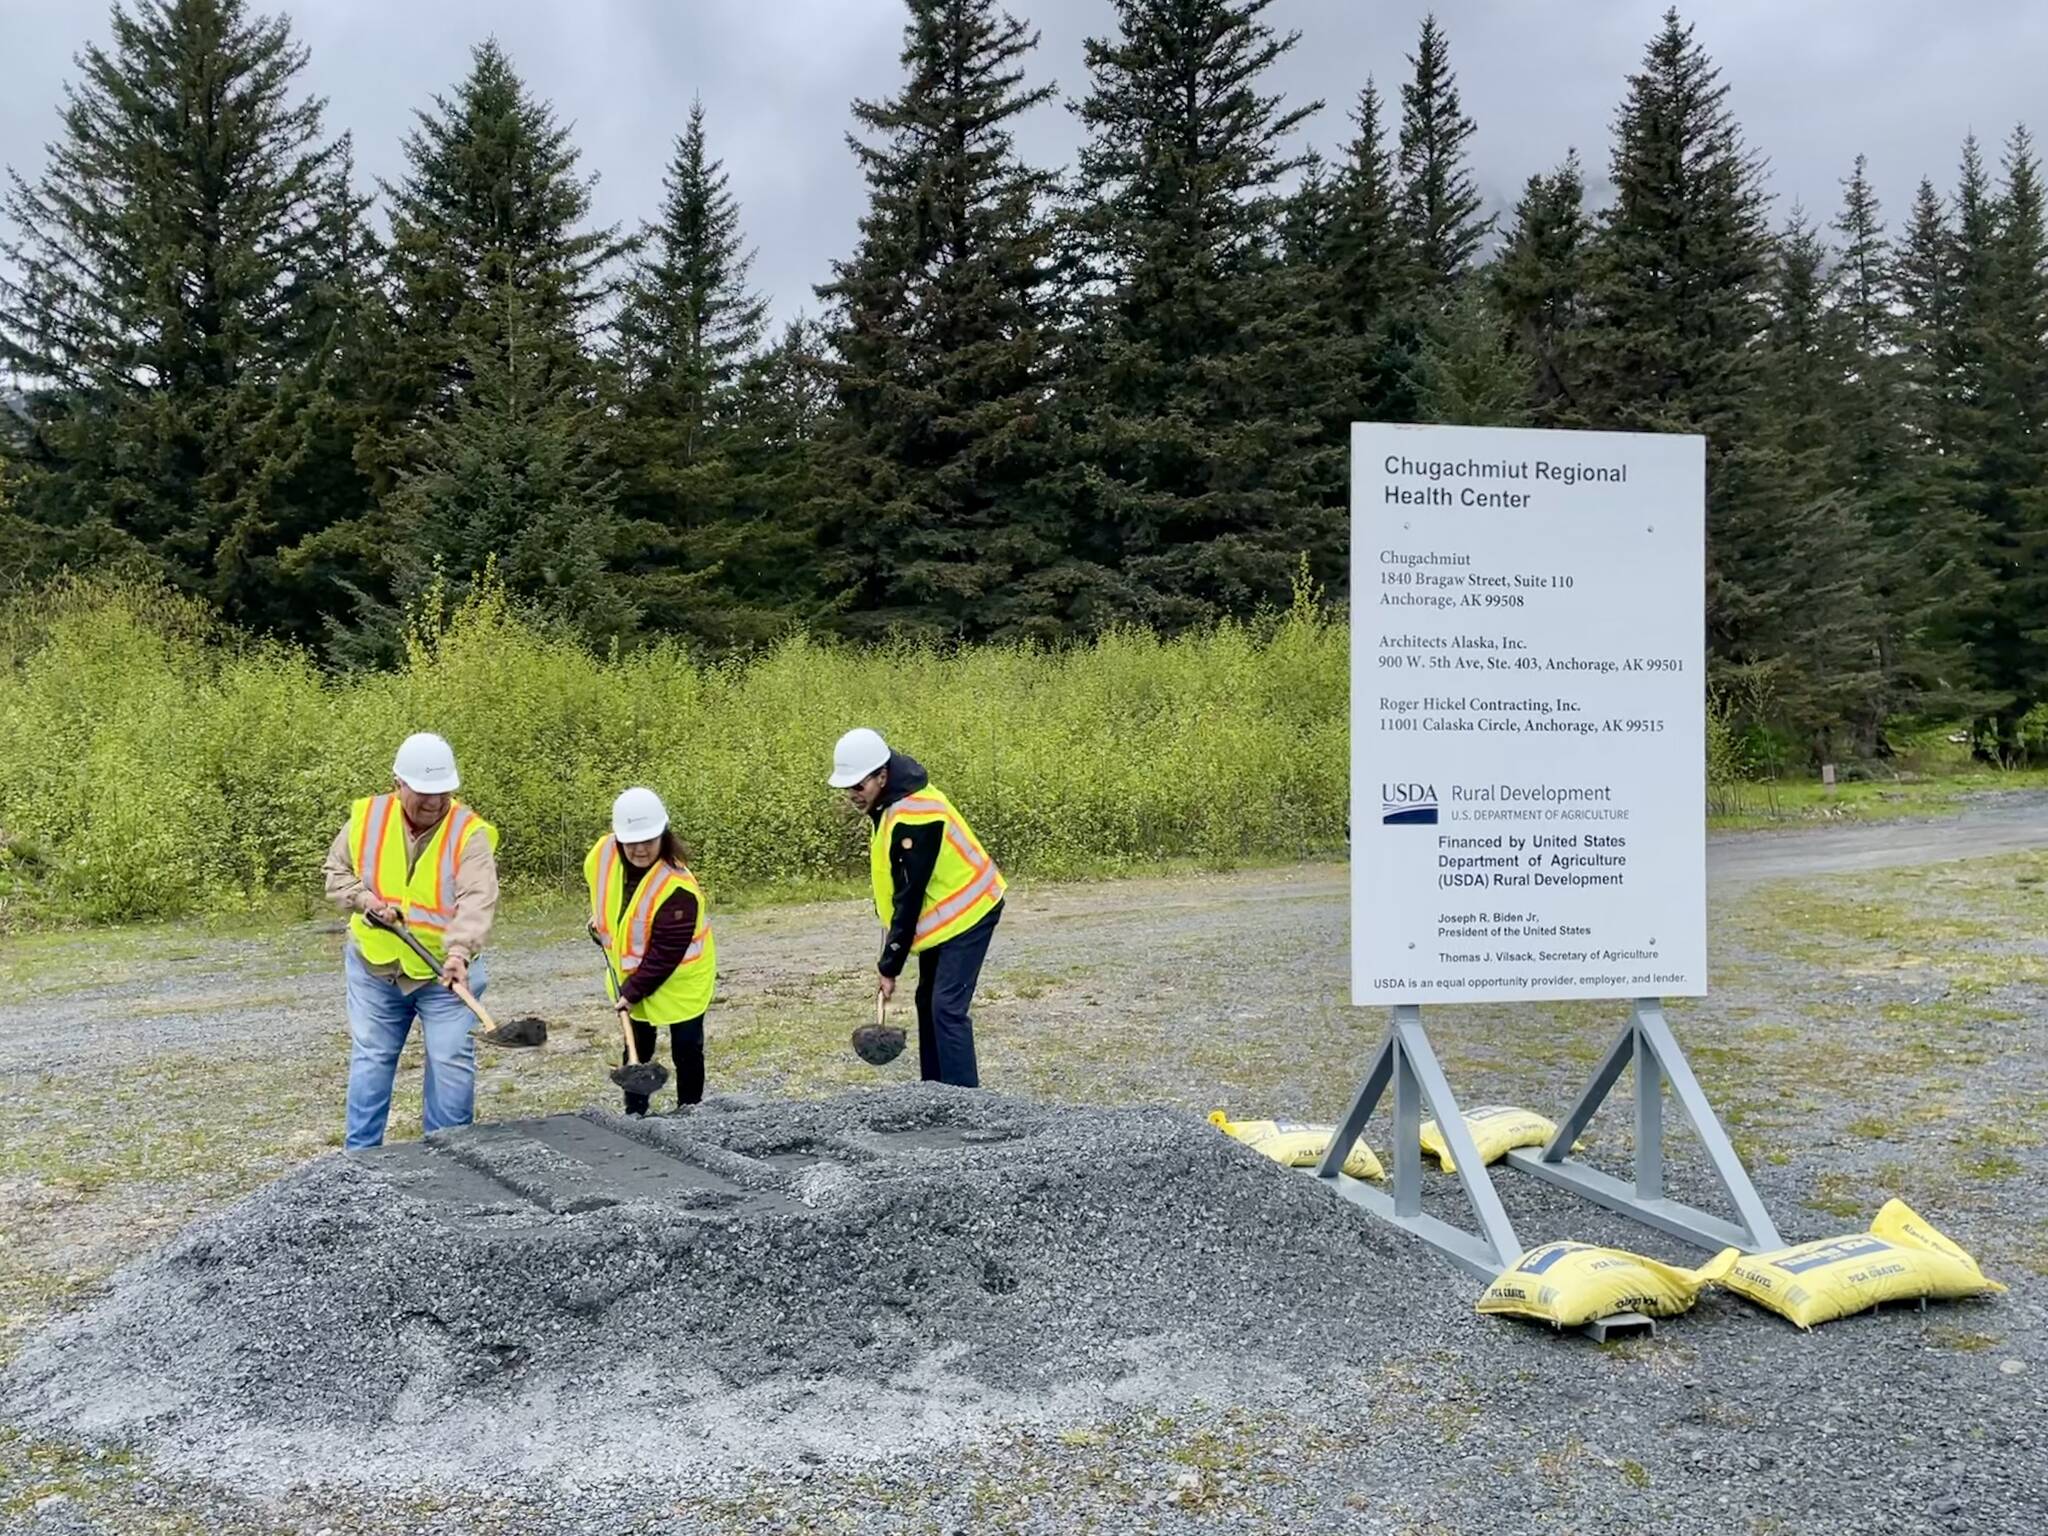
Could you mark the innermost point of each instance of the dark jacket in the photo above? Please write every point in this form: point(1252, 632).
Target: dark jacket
point(913, 855)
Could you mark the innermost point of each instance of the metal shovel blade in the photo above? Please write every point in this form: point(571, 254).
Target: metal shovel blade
point(878, 1044)
point(517, 1034)
point(642, 1081)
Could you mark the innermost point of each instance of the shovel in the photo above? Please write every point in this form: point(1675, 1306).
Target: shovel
point(642, 1079)
point(878, 1043)
point(520, 1034)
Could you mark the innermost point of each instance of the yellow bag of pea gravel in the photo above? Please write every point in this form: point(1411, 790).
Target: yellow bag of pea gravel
point(1297, 1146)
point(1496, 1130)
point(1901, 1258)
point(1570, 1284)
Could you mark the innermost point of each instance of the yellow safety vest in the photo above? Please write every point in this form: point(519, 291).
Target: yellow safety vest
point(425, 894)
point(965, 884)
point(625, 930)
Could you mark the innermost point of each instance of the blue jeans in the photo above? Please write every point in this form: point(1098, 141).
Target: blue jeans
point(379, 1018)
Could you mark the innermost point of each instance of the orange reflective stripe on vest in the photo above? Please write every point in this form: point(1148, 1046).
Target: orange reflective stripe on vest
point(965, 883)
point(605, 894)
point(439, 905)
point(687, 991)
point(936, 917)
point(654, 889)
point(370, 845)
point(422, 890)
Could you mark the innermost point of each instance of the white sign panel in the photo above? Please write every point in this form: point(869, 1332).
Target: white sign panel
point(1528, 715)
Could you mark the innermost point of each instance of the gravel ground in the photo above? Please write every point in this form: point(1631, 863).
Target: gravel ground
point(789, 1282)
point(1873, 1031)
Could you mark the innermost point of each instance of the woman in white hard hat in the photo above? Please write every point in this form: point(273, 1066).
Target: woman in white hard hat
point(649, 912)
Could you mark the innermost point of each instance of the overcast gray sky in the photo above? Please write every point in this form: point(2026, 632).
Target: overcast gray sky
point(1814, 82)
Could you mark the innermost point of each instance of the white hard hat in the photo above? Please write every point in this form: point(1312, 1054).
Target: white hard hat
point(426, 763)
point(637, 815)
point(859, 753)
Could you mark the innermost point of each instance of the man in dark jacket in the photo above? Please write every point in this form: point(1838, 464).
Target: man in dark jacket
point(938, 895)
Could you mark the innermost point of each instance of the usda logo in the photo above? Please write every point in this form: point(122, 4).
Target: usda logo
point(1408, 805)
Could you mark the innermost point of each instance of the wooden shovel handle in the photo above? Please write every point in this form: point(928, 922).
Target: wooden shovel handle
point(625, 1015)
point(468, 997)
point(469, 1001)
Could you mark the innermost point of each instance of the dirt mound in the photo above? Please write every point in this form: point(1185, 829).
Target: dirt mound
point(846, 1277)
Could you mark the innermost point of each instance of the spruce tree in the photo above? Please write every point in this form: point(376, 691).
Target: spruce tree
point(2009, 373)
point(492, 206)
point(940, 517)
point(768, 580)
point(1818, 637)
point(1975, 316)
point(1924, 562)
point(1864, 305)
point(1439, 205)
point(1680, 255)
point(168, 298)
point(690, 321)
point(491, 276)
point(1208, 463)
point(513, 478)
point(1944, 542)
point(1541, 280)
point(1468, 374)
point(327, 411)
point(1927, 279)
point(689, 327)
point(1369, 278)
point(1308, 217)
point(1366, 250)
point(1678, 264)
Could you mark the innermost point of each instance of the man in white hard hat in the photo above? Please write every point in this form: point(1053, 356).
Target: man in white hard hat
point(937, 892)
point(414, 857)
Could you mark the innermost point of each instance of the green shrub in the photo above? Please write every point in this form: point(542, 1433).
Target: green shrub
point(157, 764)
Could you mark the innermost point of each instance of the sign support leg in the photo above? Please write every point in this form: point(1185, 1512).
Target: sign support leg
point(1648, 1044)
point(1406, 1063)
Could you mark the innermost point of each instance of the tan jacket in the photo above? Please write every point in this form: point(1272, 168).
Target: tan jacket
point(476, 895)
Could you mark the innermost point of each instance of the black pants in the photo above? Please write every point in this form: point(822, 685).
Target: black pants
point(686, 1040)
point(946, 977)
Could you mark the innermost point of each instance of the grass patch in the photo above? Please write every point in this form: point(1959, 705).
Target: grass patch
point(1808, 802)
point(1989, 1170)
point(33, 1470)
point(1943, 1336)
point(1957, 935)
point(1838, 1195)
point(2003, 1135)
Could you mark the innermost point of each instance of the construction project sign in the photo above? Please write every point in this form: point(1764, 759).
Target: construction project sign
point(1528, 714)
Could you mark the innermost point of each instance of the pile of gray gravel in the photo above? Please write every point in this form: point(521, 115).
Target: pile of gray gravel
point(781, 1282)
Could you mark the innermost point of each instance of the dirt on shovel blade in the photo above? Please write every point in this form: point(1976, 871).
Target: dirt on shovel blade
point(521, 1032)
point(878, 1044)
point(645, 1080)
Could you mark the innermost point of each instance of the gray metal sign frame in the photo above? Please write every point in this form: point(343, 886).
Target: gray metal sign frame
point(1646, 1043)
point(1406, 1064)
